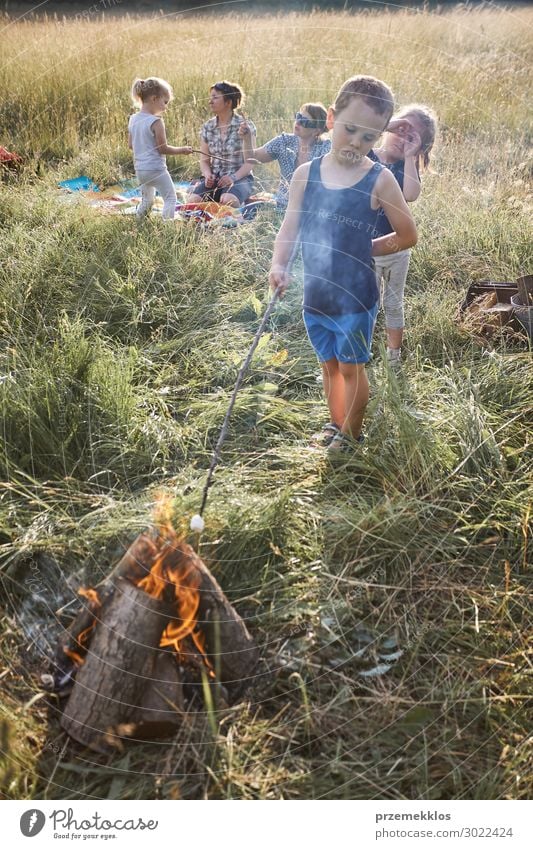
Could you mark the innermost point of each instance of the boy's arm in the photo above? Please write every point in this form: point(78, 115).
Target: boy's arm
point(161, 144)
point(285, 244)
point(391, 200)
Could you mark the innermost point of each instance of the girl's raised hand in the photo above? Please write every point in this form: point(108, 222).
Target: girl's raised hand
point(244, 128)
point(412, 143)
point(399, 126)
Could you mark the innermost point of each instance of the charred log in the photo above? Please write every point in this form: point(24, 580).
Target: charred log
point(121, 668)
point(126, 683)
point(228, 644)
point(134, 565)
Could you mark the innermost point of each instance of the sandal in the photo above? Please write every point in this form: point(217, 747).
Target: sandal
point(343, 443)
point(326, 435)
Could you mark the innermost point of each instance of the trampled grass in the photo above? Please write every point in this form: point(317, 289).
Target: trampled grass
point(119, 351)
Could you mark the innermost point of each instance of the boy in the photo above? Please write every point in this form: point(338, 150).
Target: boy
point(332, 209)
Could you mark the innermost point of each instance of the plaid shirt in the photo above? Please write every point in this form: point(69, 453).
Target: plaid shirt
point(230, 147)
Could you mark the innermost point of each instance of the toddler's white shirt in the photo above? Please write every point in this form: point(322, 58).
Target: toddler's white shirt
point(146, 157)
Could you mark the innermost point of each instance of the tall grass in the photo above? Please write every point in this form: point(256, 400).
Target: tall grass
point(119, 350)
point(71, 97)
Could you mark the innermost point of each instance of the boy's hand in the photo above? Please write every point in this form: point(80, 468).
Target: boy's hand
point(186, 150)
point(210, 181)
point(279, 279)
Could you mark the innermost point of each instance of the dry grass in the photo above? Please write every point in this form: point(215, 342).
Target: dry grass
point(73, 78)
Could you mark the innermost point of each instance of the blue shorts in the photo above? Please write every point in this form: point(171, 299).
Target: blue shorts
point(346, 338)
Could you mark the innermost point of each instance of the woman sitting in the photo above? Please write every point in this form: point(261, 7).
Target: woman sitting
point(307, 141)
point(226, 177)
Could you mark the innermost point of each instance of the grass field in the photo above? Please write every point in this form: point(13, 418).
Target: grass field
point(119, 350)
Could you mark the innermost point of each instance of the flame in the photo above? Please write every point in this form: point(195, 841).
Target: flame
point(177, 577)
point(199, 641)
point(162, 515)
point(94, 602)
point(185, 583)
point(81, 640)
point(174, 577)
point(91, 595)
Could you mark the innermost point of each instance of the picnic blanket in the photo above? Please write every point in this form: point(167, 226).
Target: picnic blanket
point(125, 196)
point(208, 212)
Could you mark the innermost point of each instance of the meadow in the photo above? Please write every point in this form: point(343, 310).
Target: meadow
point(119, 349)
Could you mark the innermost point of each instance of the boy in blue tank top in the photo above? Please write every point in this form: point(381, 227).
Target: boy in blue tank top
point(331, 210)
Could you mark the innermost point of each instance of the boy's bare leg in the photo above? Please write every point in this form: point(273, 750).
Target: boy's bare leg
point(333, 383)
point(356, 393)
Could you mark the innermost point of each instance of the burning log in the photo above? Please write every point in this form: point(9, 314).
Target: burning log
point(134, 565)
point(159, 608)
point(223, 636)
point(111, 684)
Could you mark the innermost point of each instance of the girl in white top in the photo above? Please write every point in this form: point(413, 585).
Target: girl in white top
point(406, 147)
point(147, 138)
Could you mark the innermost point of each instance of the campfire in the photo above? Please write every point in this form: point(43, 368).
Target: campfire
point(149, 639)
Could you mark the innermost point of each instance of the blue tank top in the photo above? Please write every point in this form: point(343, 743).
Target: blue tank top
point(382, 225)
point(336, 232)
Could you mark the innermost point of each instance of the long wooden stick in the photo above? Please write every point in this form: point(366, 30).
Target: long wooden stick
point(221, 158)
point(225, 424)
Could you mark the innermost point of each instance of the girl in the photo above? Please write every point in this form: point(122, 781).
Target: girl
point(148, 141)
point(307, 141)
point(406, 145)
point(331, 210)
point(227, 178)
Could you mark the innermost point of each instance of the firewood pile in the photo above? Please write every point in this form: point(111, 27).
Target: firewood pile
point(151, 636)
